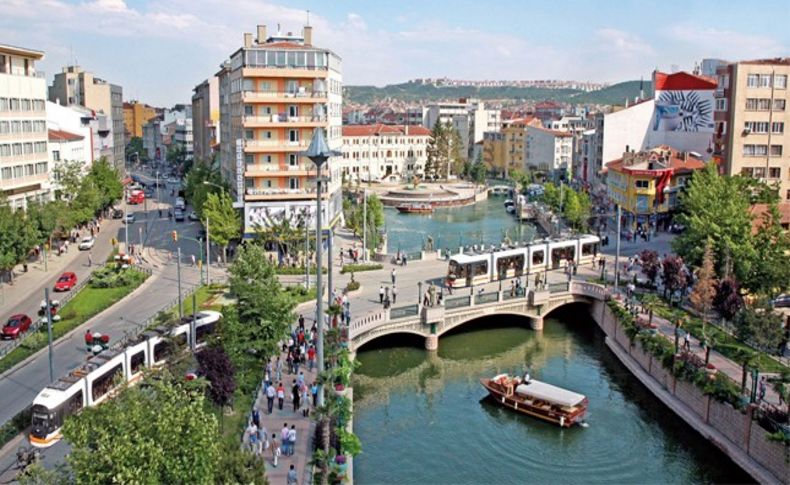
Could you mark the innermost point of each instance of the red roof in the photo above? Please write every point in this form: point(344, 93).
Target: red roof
point(676, 163)
point(757, 212)
point(682, 81)
point(63, 136)
point(379, 129)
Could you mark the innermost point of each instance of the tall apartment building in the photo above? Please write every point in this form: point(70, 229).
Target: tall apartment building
point(507, 151)
point(75, 86)
point(549, 151)
point(135, 115)
point(384, 153)
point(470, 117)
point(752, 121)
point(24, 159)
point(273, 93)
point(205, 118)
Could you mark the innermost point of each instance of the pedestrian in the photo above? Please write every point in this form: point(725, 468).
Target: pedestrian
point(279, 368)
point(252, 437)
point(270, 393)
point(305, 400)
point(300, 379)
point(262, 444)
point(394, 295)
point(280, 396)
point(292, 480)
point(386, 293)
point(292, 439)
point(314, 392)
point(311, 358)
point(687, 341)
point(284, 439)
point(256, 417)
point(295, 395)
point(392, 274)
point(90, 259)
point(762, 388)
point(381, 294)
point(275, 450)
point(193, 260)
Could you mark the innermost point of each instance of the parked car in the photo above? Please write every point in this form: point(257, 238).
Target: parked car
point(179, 215)
point(173, 180)
point(87, 243)
point(129, 218)
point(67, 281)
point(180, 203)
point(193, 216)
point(16, 326)
point(117, 214)
point(782, 301)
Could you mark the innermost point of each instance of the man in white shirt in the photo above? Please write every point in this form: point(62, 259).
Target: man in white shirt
point(292, 439)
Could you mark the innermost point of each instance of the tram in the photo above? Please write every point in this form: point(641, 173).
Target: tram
point(500, 263)
point(105, 373)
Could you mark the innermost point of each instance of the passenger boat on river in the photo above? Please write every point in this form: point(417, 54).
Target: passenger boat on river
point(538, 399)
point(415, 208)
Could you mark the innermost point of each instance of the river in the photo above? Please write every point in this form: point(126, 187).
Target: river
point(486, 222)
point(423, 417)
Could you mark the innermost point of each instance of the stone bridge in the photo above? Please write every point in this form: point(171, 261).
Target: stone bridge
point(433, 322)
point(499, 189)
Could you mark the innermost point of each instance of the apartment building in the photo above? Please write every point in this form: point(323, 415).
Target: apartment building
point(274, 92)
point(71, 136)
point(75, 86)
point(504, 150)
point(549, 151)
point(24, 160)
point(469, 116)
point(205, 118)
point(384, 153)
point(135, 115)
point(752, 121)
point(170, 129)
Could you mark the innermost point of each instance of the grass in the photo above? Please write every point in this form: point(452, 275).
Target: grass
point(85, 304)
point(725, 344)
point(294, 270)
point(300, 294)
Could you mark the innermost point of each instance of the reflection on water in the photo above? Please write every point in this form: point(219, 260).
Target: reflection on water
point(483, 223)
point(423, 417)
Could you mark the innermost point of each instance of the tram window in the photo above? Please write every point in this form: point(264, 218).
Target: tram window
point(202, 331)
point(137, 361)
point(180, 339)
point(538, 257)
point(102, 384)
point(481, 268)
point(161, 350)
point(74, 403)
point(562, 254)
point(589, 249)
point(457, 270)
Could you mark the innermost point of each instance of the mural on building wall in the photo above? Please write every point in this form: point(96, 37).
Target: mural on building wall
point(684, 111)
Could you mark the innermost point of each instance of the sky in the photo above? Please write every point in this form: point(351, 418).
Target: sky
point(158, 50)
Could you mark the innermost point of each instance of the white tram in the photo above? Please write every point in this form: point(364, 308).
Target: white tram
point(96, 380)
point(475, 268)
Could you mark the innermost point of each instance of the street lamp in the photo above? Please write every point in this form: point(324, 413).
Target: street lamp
point(318, 152)
point(208, 237)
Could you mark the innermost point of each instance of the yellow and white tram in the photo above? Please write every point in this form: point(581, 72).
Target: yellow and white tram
point(96, 380)
point(475, 268)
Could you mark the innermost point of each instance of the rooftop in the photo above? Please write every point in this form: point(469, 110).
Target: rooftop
point(776, 61)
point(757, 212)
point(63, 136)
point(21, 51)
point(561, 134)
point(380, 129)
point(656, 161)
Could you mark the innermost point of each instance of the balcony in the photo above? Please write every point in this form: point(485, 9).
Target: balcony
point(283, 121)
point(27, 183)
point(284, 97)
point(279, 194)
point(273, 170)
point(285, 72)
point(256, 146)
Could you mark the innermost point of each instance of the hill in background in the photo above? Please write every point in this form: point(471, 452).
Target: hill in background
point(614, 94)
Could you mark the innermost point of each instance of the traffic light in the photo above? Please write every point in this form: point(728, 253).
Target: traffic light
point(174, 235)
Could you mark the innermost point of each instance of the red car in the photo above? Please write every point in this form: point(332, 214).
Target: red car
point(66, 282)
point(16, 326)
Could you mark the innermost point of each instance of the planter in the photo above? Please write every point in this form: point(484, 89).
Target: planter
point(710, 370)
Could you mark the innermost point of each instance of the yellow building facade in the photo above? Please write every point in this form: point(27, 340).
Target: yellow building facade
point(503, 151)
point(135, 115)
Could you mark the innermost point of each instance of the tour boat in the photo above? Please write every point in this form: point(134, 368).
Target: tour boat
point(415, 208)
point(510, 206)
point(538, 399)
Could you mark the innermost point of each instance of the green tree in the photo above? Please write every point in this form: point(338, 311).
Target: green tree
point(551, 195)
point(716, 208)
point(477, 173)
point(521, 178)
point(158, 432)
point(455, 156)
point(760, 326)
point(437, 151)
point(135, 145)
point(196, 191)
point(87, 202)
point(107, 181)
point(287, 234)
point(705, 286)
point(16, 237)
point(265, 311)
point(770, 271)
point(223, 219)
point(68, 175)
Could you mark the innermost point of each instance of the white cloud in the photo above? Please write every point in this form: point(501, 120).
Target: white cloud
point(622, 43)
point(725, 44)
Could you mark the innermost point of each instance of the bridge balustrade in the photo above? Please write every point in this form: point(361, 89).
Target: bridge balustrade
point(404, 311)
point(457, 302)
point(558, 287)
point(486, 298)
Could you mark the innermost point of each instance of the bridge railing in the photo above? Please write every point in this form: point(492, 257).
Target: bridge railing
point(404, 311)
point(520, 293)
point(486, 298)
point(457, 302)
point(558, 287)
point(367, 322)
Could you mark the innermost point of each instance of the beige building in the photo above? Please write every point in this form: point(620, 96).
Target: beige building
point(274, 92)
point(384, 153)
point(24, 156)
point(135, 116)
point(205, 118)
point(505, 150)
point(75, 86)
point(752, 121)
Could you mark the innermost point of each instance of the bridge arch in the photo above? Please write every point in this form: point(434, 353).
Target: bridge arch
point(373, 338)
point(472, 318)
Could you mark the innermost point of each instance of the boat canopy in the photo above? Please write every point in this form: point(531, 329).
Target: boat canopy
point(549, 393)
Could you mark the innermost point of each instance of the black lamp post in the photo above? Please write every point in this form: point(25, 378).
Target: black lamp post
point(318, 152)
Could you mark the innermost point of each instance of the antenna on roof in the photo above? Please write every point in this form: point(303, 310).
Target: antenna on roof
point(308, 17)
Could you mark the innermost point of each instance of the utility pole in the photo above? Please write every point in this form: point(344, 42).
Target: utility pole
point(193, 337)
point(365, 225)
point(306, 256)
point(158, 195)
point(617, 254)
point(329, 269)
point(208, 253)
point(319, 311)
point(126, 221)
point(180, 303)
point(48, 309)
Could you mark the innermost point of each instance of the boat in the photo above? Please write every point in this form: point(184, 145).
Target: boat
point(415, 208)
point(510, 206)
point(538, 399)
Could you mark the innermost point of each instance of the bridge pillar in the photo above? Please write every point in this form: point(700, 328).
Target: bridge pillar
point(536, 323)
point(432, 342)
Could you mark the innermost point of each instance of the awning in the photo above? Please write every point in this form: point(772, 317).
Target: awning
point(127, 180)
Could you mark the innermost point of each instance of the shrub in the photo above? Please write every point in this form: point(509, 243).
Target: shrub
point(353, 285)
point(353, 268)
point(111, 276)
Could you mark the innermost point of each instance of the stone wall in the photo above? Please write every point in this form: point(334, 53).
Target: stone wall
point(732, 423)
point(770, 454)
point(692, 397)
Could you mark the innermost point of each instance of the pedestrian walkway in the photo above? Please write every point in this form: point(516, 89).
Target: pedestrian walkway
point(274, 422)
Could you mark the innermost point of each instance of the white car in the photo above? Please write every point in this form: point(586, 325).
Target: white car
point(87, 243)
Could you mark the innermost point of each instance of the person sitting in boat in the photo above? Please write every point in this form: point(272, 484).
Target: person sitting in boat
point(526, 379)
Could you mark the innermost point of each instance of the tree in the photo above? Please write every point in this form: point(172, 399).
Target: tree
point(224, 223)
point(705, 286)
point(650, 265)
point(673, 275)
point(196, 191)
point(158, 432)
point(217, 368)
point(135, 145)
point(716, 208)
point(286, 233)
point(87, 202)
point(436, 151)
point(477, 173)
point(69, 175)
point(265, 311)
point(728, 300)
point(760, 326)
point(16, 237)
point(455, 157)
point(107, 181)
point(747, 358)
point(521, 179)
point(551, 195)
point(770, 271)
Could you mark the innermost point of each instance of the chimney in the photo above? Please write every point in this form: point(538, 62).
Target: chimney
point(307, 33)
point(247, 40)
point(261, 34)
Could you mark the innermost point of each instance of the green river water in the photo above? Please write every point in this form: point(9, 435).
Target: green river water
point(423, 417)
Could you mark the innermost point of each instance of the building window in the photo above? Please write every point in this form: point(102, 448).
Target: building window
point(642, 184)
point(293, 183)
point(293, 159)
point(777, 127)
point(787, 194)
point(293, 135)
point(249, 135)
point(779, 104)
point(758, 172)
point(247, 110)
point(55, 155)
point(780, 81)
point(755, 150)
point(756, 126)
point(776, 150)
point(753, 80)
point(774, 172)
point(721, 104)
